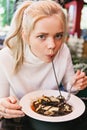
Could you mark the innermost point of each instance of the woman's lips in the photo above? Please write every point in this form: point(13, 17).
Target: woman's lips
point(50, 56)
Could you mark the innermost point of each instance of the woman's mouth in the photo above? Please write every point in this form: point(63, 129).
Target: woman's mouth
point(50, 56)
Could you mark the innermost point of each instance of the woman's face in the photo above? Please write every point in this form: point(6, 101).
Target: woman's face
point(46, 38)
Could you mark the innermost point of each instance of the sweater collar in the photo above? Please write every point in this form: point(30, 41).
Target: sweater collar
point(30, 57)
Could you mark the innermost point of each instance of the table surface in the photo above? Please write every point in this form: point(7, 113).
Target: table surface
point(27, 123)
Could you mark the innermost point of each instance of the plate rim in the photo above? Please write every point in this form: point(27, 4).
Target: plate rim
point(40, 117)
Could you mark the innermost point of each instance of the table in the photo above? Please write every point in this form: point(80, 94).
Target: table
point(26, 123)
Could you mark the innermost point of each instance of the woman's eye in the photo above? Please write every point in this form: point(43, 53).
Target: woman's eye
point(59, 36)
point(42, 37)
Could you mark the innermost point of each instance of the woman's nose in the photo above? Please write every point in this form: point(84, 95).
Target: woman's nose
point(51, 44)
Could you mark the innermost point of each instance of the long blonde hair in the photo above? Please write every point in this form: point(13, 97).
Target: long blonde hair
point(24, 19)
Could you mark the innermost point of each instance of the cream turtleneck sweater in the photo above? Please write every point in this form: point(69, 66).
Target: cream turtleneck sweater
point(34, 73)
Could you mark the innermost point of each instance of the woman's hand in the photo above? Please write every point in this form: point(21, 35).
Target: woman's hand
point(79, 80)
point(9, 108)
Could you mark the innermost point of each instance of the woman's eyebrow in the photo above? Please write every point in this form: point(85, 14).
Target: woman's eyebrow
point(59, 32)
point(48, 33)
point(42, 33)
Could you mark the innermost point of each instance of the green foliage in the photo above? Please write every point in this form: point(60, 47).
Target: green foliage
point(8, 10)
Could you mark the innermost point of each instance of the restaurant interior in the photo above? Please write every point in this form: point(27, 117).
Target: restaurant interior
point(76, 11)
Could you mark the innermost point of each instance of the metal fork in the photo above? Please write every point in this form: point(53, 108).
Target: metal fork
point(69, 93)
point(65, 100)
point(56, 79)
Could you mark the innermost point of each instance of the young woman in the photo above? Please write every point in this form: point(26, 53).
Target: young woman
point(34, 44)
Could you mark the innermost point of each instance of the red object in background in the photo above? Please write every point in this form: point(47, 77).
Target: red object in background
point(74, 16)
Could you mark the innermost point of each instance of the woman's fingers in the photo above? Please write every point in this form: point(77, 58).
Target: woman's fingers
point(9, 113)
point(9, 108)
point(12, 99)
point(80, 75)
point(80, 80)
point(12, 115)
point(10, 102)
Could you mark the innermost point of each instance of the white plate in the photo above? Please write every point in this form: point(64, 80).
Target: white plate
point(77, 103)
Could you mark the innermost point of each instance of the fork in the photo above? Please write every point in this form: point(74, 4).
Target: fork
point(60, 94)
point(69, 94)
point(68, 97)
point(56, 79)
point(65, 100)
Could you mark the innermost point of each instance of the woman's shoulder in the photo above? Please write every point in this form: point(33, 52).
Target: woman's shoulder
point(5, 55)
point(4, 51)
point(64, 49)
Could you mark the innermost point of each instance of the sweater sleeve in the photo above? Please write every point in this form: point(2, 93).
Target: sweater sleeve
point(4, 84)
point(69, 71)
point(68, 75)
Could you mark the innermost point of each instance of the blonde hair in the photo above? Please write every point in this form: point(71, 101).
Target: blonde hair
point(24, 19)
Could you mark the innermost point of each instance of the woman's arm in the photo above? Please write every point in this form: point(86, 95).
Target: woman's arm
point(78, 80)
point(9, 107)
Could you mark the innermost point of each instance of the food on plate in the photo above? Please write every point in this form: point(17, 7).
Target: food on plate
point(51, 106)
